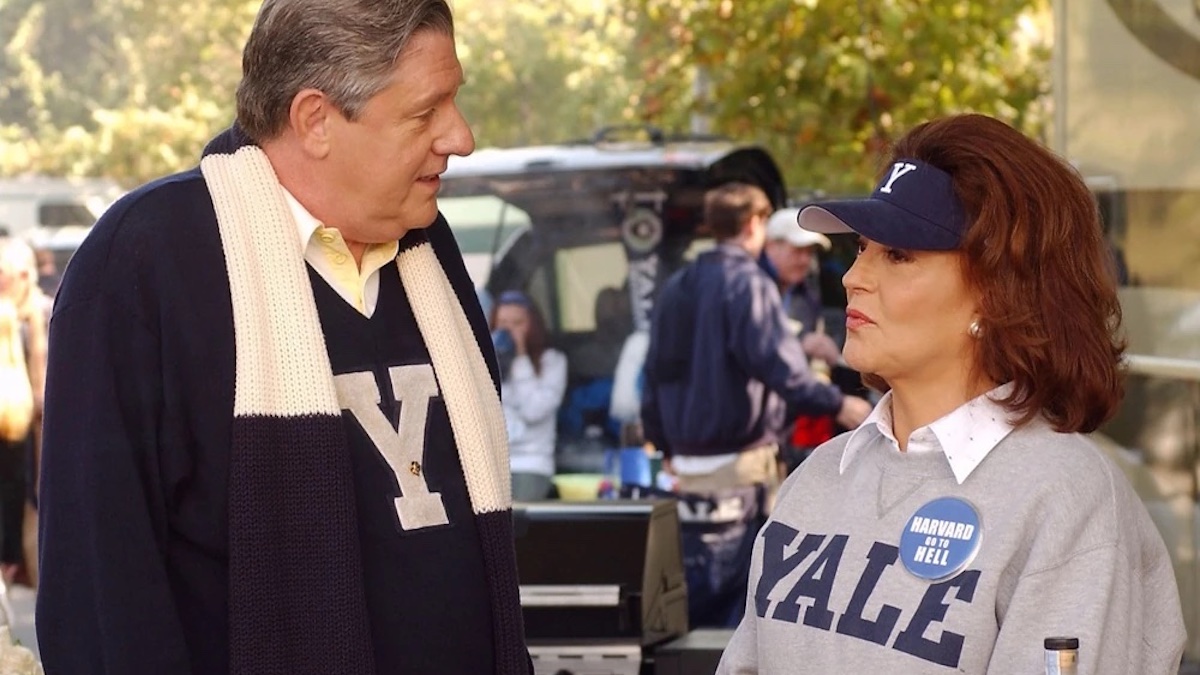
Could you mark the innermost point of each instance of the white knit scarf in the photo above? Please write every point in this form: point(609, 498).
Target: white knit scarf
point(282, 364)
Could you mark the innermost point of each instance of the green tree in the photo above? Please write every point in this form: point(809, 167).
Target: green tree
point(542, 70)
point(125, 89)
point(826, 85)
point(131, 89)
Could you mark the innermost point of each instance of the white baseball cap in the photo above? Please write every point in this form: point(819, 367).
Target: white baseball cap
point(781, 226)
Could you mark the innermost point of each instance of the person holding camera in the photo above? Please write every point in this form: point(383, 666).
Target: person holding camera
point(533, 381)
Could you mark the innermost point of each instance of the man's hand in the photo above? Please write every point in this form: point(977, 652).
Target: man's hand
point(854, 411)
point(821, 346)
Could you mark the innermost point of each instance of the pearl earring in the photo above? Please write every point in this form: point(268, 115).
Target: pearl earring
point(975, 330)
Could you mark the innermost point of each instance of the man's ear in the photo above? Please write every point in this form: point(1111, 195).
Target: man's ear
point(753, 224)
point(310, 117)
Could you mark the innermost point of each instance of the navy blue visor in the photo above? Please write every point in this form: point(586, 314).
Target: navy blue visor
point(914, 207)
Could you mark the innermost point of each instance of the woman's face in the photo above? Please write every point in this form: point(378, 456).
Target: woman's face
point(14, 279)
point(514, 319)
point(907, 314)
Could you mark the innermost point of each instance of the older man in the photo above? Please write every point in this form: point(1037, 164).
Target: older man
point(273, 440)
point(790, 256)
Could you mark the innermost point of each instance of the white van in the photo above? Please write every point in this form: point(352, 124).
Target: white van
point(31, 202)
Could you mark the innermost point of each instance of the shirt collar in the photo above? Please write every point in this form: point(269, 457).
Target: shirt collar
point(306, 223)
point(732, 249)
point(376, 255)
point(966, 435)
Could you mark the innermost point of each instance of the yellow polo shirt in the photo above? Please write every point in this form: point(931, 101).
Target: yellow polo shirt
point(326, 250)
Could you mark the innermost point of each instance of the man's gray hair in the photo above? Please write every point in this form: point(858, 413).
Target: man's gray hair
point(347, 49)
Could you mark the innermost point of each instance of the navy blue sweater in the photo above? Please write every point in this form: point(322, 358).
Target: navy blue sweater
point(428, 605)
point(722, 369)
point(135, 473)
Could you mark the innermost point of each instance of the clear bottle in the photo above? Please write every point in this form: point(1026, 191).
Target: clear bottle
point(1062, 655)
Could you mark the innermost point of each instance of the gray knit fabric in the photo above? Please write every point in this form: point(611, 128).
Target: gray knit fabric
point(1067, 549)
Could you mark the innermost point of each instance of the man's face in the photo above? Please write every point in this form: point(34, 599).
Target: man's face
point(792, 263)
point(387, 163)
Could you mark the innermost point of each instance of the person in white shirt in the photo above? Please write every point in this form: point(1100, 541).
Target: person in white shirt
point(534, 378)
point(968, 518)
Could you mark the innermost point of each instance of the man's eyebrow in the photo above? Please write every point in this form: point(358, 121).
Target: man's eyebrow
point(433, 97)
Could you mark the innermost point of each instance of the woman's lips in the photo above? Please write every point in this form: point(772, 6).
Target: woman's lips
point(856, 319)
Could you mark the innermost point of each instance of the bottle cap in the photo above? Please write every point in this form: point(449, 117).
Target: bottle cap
point(1058, 643)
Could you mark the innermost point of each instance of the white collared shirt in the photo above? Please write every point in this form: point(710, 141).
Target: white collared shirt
point(327, 252)
point(966, 435)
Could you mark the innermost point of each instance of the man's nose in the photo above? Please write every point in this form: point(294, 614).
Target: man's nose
point(458, 139)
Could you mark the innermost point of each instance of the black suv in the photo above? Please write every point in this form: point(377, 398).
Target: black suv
point(589, 230)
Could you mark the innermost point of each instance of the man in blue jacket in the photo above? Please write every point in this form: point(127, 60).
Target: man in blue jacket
point(723, 371)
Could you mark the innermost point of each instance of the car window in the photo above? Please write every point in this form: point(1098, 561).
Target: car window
point(582, 273)
point(482, 225)
point(64, 213)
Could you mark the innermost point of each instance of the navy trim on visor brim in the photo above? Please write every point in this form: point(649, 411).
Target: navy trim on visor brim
point(878, 221)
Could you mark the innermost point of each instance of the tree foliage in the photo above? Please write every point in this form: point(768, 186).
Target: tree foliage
point(826, 85)
point(126, 89)
point(131, 89)
point(543, 70)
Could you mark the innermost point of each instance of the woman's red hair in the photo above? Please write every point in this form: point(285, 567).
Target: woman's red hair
point(1035, 252)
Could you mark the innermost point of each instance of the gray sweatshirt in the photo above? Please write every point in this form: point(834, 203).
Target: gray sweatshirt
point(1065, 547)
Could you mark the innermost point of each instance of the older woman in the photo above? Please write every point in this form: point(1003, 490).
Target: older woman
point(967, 518)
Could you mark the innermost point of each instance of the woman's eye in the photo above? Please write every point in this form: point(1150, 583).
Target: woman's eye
point(898, 255)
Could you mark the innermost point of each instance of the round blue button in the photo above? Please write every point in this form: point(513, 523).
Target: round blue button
point(940, 539)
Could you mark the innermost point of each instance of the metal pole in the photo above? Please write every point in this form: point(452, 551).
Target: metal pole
point(701, 122)
point(1058, 80)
